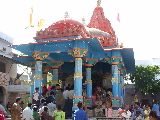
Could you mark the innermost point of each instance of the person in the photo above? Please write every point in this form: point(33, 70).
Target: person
point(16, 110)
point(59, 114)
point(80, 114)
point(127, 113)
point(51, 107)
point(46, 116)
point(35, 113)
point(2, 108)
point(2, 117)
point(43, 98)
point(50, 97)
point(138, 116)
point(60, 99)
point(36, 97)
point(137, 108)
point(69, 95)
point(103, 107)
point(156, 107)
point(27, 113)
point(146, 112)
point(66, 101)
point(42, 109)
point(153, 115)
point(109, 112)
point(9, 106)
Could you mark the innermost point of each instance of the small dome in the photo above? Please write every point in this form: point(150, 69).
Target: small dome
point(66, 21)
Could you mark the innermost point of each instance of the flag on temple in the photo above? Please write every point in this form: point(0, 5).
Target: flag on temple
point(40, 24)
point(30, 20)
point(118, 19)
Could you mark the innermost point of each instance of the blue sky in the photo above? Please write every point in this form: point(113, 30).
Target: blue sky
point(139, 26)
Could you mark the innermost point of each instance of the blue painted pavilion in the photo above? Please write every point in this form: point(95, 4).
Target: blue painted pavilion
point(70, 47)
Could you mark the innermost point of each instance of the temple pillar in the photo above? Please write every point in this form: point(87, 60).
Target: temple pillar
point(89, 63)
point(39, 56)
point(119, 85)
point(55, 66)
point(115, 60)
point(45, 70)
point(32, 82)
point(77, 53)
point(38, 75)
point(115, 81)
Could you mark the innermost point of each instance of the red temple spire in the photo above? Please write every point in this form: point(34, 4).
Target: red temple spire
point(99, 21)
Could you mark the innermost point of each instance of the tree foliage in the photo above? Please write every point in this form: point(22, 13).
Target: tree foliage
point(146, 79)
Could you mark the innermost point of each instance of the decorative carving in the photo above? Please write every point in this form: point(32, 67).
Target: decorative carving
point(37, 55)
point(89, 62)
point(39, 77)
point(55, 64)
point(77, 52)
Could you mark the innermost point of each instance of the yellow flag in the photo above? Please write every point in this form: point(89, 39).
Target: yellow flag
point(31, 13)
point(30, 20)
point(40, 24)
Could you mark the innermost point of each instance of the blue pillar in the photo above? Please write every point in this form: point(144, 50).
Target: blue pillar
point(122, 81)
point(38, 75)
point(55, 76)
point(32, 82)
point(77, 83)
point(115, 80)
point(119, 85)
point(89, 82)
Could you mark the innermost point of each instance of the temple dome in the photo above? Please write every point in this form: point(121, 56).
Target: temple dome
point(65, 22)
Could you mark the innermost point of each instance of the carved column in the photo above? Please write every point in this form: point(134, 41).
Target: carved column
point(115, 60)
point(55, 66)
point(78, 53)
point(89, 63)
point(39, 56)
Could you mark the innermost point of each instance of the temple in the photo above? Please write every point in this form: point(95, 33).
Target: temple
point(68, 47)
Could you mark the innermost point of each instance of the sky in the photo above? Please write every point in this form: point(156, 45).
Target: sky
point(138, 28)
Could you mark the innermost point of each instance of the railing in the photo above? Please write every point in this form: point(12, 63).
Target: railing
point(19, 88)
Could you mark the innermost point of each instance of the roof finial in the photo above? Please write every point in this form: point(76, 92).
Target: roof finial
point(83, 21)
point(66, 15)
point(98, 3)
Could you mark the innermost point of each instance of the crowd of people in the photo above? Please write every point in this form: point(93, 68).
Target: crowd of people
point(56, 104)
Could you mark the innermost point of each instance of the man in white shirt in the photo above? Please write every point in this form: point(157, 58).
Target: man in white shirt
point(51, 107)
point(127, 113)
point(27, 113)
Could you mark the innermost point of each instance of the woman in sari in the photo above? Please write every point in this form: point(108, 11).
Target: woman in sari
point(60, 99)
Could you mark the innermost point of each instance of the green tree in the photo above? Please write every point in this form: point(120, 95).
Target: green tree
point(146, 80)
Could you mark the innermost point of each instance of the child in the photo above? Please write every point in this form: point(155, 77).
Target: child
point(59, 114)
point(109, 112)
point(35, 113)
point(138, 116)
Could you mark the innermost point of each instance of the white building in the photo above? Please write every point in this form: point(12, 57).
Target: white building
point(8, 67)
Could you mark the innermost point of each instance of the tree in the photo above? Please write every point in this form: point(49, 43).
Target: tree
point(146, 79)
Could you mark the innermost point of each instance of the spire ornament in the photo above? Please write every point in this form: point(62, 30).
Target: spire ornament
point(98, 3)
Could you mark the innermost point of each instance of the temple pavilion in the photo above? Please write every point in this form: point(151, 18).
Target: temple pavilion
point(69, 47)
